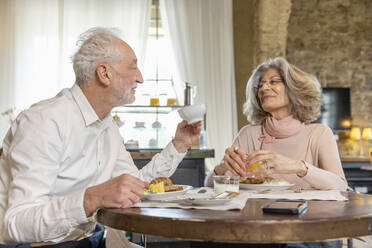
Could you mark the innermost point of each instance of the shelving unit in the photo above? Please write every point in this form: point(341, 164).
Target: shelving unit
point(151, 126)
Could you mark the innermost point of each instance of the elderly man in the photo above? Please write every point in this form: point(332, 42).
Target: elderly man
point(63, 159)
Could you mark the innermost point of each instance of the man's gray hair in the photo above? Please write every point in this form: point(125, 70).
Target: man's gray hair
point(96, 45)
point(303, 90)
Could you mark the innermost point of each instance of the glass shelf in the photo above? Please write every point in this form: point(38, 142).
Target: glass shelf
point(143, 109)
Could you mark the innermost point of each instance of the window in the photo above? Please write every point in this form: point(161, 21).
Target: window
point(153, 127)
point(159, 65)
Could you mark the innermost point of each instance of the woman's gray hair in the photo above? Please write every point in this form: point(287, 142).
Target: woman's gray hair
point(95, 46)
point(303, 90)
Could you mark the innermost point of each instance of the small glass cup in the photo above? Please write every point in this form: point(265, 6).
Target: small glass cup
point(154, 101)
point(225, 183)
point(172, 102)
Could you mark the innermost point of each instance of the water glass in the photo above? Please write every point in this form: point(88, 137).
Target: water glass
point(225, 183)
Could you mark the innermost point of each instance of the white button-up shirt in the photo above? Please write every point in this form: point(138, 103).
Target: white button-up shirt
point(51, 154)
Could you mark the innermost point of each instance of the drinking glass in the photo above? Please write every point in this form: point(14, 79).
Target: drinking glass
point(225, 183)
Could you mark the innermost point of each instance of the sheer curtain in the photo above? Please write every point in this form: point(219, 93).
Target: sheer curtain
point(202, 39)
point(38, 38)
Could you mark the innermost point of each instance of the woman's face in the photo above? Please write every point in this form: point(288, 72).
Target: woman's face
point(272, 94)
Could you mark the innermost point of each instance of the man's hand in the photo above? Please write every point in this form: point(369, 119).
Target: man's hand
point(186, 135)
point(119, 192)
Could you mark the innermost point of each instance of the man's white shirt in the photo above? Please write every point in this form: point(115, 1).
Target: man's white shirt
point(51, 154)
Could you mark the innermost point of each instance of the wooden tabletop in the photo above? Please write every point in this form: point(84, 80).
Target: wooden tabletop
point(323, 220)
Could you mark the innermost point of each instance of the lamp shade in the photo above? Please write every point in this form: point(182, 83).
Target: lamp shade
point(367, 133)
point(355, 133)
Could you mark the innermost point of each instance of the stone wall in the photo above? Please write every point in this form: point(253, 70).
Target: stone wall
point(333, 40)
point(271, 20)
point(244, 44)
point(260, 32)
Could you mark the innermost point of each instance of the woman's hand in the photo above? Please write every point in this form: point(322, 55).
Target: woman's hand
point(233, 161)
point(273, 163)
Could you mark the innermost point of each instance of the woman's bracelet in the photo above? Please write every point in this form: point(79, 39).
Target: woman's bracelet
point(301, 175)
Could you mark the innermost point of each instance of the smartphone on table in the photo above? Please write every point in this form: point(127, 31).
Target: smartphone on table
point(285, 207)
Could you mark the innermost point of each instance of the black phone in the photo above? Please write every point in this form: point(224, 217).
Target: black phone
point(285, 207)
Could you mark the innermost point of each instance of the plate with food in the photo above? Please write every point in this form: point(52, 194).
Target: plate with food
point(268, 183)
point(162, 188)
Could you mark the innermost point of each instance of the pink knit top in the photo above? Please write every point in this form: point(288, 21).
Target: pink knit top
point(314, 144)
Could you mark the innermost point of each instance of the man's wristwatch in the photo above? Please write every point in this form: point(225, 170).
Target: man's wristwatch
point(218, 172)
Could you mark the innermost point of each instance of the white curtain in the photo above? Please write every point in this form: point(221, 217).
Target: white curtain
point(38, 38)
point(201, 32)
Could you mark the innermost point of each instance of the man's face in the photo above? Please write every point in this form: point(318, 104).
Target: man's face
point(126, 75)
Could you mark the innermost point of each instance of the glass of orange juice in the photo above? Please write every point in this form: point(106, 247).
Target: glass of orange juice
point(154, 101)
point(252, 167)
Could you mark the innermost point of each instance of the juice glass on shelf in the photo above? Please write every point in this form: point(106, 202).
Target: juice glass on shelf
point(154, 101)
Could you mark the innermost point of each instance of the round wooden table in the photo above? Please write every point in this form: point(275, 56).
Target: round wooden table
point(323, 220)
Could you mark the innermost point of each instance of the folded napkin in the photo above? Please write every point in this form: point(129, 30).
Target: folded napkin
point(236, 203)
point(323, 195)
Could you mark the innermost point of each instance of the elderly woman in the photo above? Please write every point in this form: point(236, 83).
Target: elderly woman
point(281, 102)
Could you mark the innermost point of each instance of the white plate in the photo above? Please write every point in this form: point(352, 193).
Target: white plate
point(206, 201)
point(167, 195)
point(273, 187)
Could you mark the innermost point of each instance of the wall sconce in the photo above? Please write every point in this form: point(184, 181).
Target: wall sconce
point(346, 124)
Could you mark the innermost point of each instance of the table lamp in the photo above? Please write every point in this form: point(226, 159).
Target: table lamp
point(367, 136)
point(367, 133)
point(355, 133)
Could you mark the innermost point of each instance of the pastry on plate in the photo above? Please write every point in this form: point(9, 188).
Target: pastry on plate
point(163, 184)
point(265, 180)
point(252, 180)
point(166, 180)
